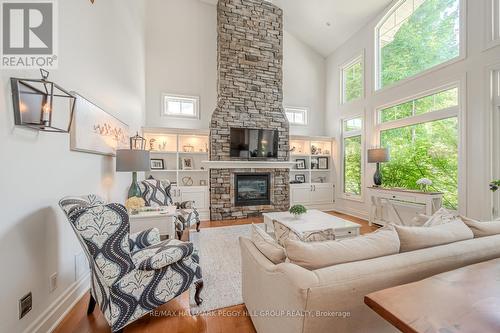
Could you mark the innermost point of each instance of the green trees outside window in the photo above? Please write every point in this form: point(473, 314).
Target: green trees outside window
point(428, 150)
point(418, 35)
point(352, 77)
point(352, 165)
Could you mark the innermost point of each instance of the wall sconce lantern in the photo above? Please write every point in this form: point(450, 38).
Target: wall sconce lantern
point(42, 105)
point(137, 142)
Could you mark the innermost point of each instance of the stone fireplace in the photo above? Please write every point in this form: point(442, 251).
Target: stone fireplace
point(250, 95)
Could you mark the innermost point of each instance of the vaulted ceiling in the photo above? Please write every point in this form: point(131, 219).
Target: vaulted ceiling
point(326, 24)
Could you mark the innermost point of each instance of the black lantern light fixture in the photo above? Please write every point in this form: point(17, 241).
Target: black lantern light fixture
point(137, 142)
point(37, 101)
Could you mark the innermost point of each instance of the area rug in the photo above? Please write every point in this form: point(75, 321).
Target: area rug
point(220, 261)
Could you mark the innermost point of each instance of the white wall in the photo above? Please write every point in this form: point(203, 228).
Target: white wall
point(471, 72)
point(181, 53)
point(101, 56)
point(304, 78)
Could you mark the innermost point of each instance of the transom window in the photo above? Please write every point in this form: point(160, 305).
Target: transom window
point(296, 116)
point(415, 36)
point(352, 80)
point(181, 106)
point(423, 138)
point(352, 150)
point(439, 101)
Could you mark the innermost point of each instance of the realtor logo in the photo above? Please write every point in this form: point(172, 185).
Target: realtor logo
point(28, 34)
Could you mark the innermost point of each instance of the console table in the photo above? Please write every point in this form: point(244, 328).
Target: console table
point(163, 220)
point(386, 197)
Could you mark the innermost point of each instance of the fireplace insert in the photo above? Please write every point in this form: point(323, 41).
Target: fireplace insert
point(253, 189)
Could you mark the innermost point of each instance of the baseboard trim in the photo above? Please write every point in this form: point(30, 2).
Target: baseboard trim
point(57, 311)
point(355, 213)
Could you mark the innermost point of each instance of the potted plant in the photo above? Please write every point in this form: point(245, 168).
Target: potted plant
point(298, 210)
point(495, 185)
point(424, 183)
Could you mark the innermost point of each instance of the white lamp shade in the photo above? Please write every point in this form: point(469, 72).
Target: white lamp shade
point(132, 160)
point(378, 155)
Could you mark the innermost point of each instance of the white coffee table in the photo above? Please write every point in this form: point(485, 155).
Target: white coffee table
point(313, 220)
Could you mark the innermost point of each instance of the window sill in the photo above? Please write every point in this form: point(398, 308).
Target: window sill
point(353, 198)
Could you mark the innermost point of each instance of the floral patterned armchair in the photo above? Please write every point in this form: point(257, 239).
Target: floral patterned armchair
point(156, 193)
point(131, 275)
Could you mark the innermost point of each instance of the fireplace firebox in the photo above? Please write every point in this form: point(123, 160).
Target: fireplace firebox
point(252, 189)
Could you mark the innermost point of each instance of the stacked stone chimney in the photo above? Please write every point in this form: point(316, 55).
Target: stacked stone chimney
point(250, 95)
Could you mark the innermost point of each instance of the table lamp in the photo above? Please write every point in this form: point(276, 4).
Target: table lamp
point(378, 155)
point(133, 160)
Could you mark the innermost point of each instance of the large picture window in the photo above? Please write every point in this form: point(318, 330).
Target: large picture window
point(352, 140)
point(424, 144)
point(415, 36)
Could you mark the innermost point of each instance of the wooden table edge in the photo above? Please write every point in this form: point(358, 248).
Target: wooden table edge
point(388, 316)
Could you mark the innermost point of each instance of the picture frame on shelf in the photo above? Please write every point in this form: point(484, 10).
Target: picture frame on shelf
point(314, 163)
point(300, 178)
point(323, 163)
point(300, 164)
point(187, 163)
point(157, 164)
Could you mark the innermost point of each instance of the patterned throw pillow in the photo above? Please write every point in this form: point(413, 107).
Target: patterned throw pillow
point(284, 233)
point(442, 216)
point(156, 193)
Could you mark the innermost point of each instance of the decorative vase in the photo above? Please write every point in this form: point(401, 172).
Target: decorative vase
point(134, 190)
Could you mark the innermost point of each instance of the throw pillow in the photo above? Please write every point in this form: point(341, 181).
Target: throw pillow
point(442, 216)
point(416, 238)
point(284, 233)
point(267, 245)
point(482, 229)
point(382, 242)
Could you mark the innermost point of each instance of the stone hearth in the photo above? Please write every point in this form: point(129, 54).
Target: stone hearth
point(250, 95)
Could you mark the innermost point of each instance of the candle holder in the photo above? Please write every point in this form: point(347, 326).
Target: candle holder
point(35, 102)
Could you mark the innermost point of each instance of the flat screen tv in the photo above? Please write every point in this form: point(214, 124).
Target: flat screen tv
point(247, 143)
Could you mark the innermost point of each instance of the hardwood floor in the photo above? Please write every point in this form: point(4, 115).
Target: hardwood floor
point(174, 317)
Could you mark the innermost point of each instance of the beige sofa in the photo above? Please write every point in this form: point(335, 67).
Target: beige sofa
point(279, 297)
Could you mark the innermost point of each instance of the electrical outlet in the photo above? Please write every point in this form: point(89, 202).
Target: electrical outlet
point(53, 282)
point(81, 265)
point(25, 305)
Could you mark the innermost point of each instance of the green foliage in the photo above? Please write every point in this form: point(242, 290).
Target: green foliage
point(495, 185)
point(353, 77)
point(352, 165)
point(428, 150)
point(428, 38)
point(298, 210)
point(434, 102)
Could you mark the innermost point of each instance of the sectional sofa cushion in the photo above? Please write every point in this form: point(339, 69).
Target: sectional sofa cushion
point(267, 245)
point(416, 238)
point(482, 229)
point(382, 242)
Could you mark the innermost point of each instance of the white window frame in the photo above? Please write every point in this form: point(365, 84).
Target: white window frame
point(295, 110)
point(455, 111)
point(494, 102)
point(346, 135)
point(360, 58)
point(492, 21)
point(378, 61)
point(194, 99)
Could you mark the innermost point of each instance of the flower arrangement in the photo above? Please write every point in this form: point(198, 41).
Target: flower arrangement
point(495, 185)
point(424, 183)
point(298, 210)
point(133, 204)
